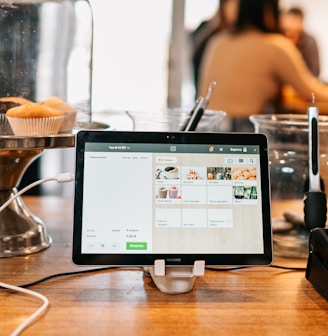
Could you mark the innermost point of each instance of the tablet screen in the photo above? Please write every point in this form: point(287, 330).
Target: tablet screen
point(183, 196)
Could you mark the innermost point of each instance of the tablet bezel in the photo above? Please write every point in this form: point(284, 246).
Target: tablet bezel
point(144, 259)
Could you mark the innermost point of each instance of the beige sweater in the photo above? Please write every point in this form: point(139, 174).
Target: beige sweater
point(249, 69)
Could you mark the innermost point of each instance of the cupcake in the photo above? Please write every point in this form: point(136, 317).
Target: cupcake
point(5, 104)
point(34, 119)
point(69, 113)
point(5, 128)
point(16, 100)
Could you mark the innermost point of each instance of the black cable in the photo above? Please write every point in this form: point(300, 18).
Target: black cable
point(67, 274)
point(289, 268)
point(93, 270)
point(223, 269)
point(242, 267)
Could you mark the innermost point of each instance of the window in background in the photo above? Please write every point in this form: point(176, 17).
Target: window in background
point(131, 41)
point(198, 11)
point(130, 53)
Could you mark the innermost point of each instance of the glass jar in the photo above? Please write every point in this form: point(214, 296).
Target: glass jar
point(289, 170)
point(174, 119)
point(46, 51)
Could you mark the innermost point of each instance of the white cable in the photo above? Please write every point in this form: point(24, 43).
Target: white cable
point(35, 315)
point(61, 178)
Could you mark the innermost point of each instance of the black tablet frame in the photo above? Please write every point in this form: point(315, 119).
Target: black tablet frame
point(143, 259)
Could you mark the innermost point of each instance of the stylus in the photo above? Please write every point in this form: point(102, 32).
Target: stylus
point(200, 109)
point(196, 116)
point(314, 166)
point(209, 94)
point(184, 126)
point(315, 203)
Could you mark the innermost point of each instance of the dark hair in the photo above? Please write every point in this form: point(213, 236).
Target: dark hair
point(296, 11)
point(262, 15)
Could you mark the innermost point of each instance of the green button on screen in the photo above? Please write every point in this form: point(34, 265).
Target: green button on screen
point(137, 246)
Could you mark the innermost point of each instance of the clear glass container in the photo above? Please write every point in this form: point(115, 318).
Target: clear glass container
point(289, 166)
point(174, 119)
point(46, 51)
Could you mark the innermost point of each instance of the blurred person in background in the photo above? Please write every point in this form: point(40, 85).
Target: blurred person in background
point(224, 18)
point(292, 26)
point(251, 63)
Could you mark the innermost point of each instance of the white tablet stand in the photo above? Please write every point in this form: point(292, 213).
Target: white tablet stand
point(175, 280)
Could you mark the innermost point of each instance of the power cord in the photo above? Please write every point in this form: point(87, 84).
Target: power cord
point(223, 269)
point(300, 269)
point(67, 274)
point(35, 315)
point(61, 178)
point(94, 270)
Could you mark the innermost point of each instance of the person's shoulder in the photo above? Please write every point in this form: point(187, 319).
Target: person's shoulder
point(265, 40)
point(221, 36)
point(279, 41)
point(276, 38)
point(219, 39)
point(281, 48)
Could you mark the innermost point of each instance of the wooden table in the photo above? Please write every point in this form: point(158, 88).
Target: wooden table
point(252, 301)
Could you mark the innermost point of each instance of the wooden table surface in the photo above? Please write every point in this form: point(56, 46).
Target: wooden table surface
point(252, 301)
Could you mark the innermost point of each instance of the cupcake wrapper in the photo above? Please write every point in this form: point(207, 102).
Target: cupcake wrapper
point(35, 126)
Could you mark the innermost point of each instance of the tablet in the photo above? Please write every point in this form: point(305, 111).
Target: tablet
point(178, 197)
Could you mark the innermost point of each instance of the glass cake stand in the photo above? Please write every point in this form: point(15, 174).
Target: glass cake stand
point(21, 232)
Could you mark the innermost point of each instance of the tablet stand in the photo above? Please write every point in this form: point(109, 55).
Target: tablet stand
point(175, 280)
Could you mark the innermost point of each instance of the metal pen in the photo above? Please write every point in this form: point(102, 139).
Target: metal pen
point(314, 165)
point(315, 201)
point(199, 109)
